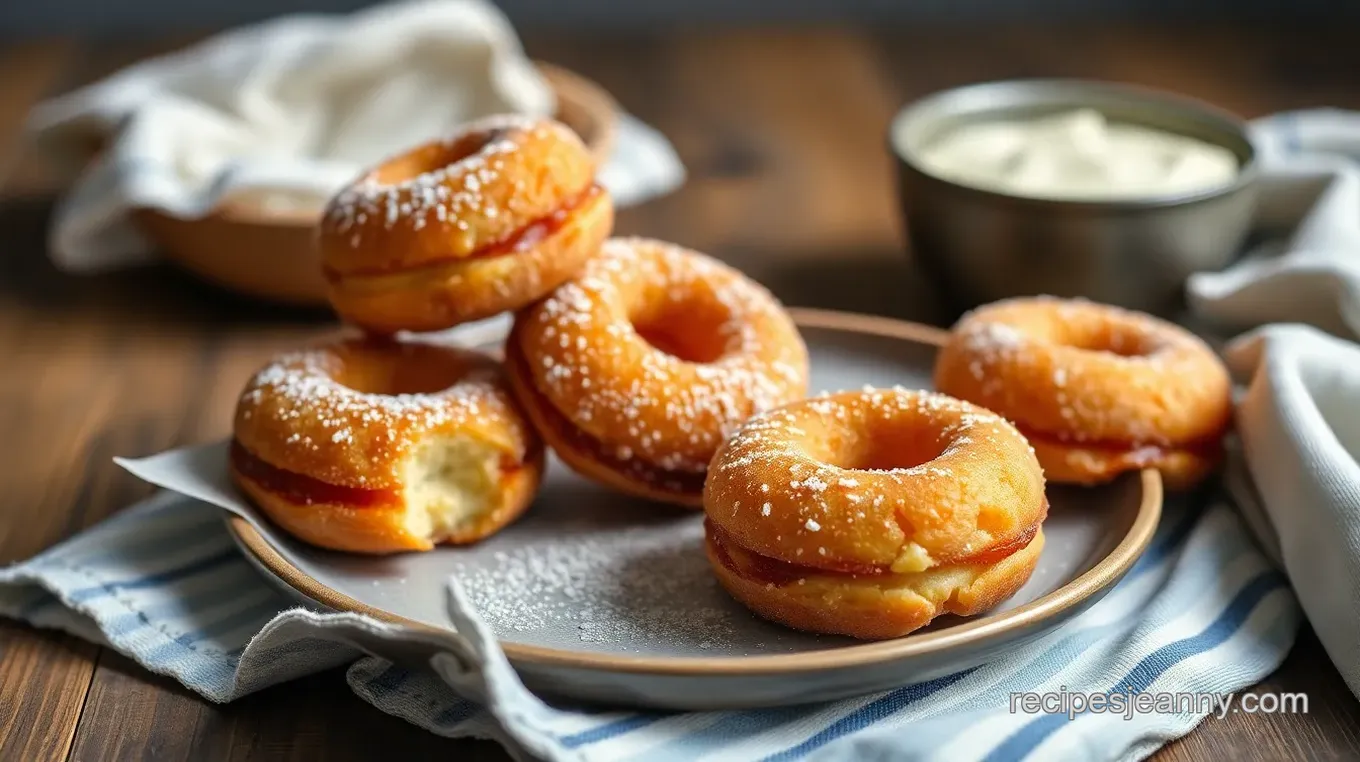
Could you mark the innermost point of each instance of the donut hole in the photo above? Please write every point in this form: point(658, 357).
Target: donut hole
point(888, 448)
point(450, 483)
point(691, 329)
point(431, 158)
point(1116, 339)
point(392, 369)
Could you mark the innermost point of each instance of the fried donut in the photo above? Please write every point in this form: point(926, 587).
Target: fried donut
point(871, 513)
point(380, 446)
point(487, 221)
point(1097, 390)
point(636, 371)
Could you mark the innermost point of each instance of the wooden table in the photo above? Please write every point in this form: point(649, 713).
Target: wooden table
point(783, 134)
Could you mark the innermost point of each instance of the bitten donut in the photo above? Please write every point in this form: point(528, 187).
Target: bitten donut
point(871, 513)
point(379, 446)
point(1097, 390)
point(636, 371)
point(487, 221)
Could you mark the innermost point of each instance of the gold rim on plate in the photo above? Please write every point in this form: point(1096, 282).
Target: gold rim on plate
point(972, 631)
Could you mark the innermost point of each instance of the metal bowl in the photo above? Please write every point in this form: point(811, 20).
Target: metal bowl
point(983, 245)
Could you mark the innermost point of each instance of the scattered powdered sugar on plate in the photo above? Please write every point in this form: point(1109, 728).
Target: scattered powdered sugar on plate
point(616, 586)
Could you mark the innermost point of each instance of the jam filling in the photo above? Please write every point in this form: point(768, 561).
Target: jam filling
point(573, 438)
point(300, 488)
point(773, 571)
point(518, 241)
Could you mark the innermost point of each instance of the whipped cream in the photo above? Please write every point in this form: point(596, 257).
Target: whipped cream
point(1078, 155)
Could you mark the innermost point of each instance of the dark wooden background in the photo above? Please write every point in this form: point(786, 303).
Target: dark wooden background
point(783, 133)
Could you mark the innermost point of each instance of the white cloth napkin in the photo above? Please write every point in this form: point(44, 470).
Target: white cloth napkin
point(284, 113)
point(1308, 270)
point(1297, 481)
point(1300, 427)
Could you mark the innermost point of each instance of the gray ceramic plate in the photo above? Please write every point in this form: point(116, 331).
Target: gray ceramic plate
point(601, 597)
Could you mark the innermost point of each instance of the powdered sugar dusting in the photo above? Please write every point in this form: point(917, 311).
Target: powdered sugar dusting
point(606, 378)
point(339, 431)
point(446, 193)
point(1077, 371)
point(815, 494)
point(993, 338)
point(616, 586)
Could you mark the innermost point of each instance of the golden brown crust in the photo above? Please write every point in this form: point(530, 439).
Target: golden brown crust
point(328, 462)
point(590, 459)
point(1066, 463)
point(878, 607)
point(590, 355)
point(440, 295)
point(452, 199)
point(1093, 376)
point(874, 478)
point(305, 412)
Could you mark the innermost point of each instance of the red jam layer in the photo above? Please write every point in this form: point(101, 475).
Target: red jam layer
point(518, 241)
point(299, 488)
point(565, 432)
point(766, 570)
point(526, 237)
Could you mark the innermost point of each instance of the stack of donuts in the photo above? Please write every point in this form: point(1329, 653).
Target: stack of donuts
point(659, 372)
point(632, 359)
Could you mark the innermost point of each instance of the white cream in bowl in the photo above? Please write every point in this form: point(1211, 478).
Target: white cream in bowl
point(1078, 155)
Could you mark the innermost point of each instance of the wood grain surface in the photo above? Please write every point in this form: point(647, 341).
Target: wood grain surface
point(783, 135)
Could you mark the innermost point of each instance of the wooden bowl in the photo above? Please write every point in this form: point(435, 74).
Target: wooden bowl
point(269, 254)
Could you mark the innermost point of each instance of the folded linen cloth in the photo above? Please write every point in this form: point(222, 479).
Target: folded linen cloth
point(282, 114)
point(1308, 269)
point(1300, 427)
point(162, 582)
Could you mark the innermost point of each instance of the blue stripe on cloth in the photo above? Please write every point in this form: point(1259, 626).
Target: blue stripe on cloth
point(153, 580)
point(388, 680)
point(1026, 739)
point(257, 613)
point(869, 714)
point(732, 726)
point(456, 713)
point(609, 730)
point(180, 609)
point(394, 678)
point(208, 666)
point(150, 536)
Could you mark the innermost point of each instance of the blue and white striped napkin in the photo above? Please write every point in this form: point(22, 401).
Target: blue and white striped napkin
point(1202, 612)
